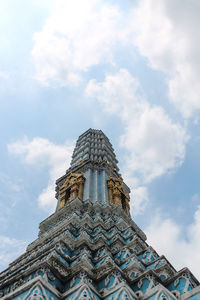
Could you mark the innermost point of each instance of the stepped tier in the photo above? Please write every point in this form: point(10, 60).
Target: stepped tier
point(89, 251)
point(90, 248)
point(95, 146)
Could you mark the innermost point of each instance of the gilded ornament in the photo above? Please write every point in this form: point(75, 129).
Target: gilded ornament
point(116, 193)
point(71, 188)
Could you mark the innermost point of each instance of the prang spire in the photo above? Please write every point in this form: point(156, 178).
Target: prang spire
point(94, 174)
point(95, 146)
point(90, 248)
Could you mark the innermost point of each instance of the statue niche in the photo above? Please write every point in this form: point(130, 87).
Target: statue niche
point(71, 188)
point(117, 194)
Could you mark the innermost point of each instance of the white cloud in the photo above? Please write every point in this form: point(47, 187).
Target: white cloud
point(77, 36)
point(47, 197)
point(119, 93)
point(10, 184)
point(195, 198)
point(155, 144)
point(171, 239)
point(42, 152)
point(10, 249)
point(167, 33)
point(141, 199)
point(4, 75)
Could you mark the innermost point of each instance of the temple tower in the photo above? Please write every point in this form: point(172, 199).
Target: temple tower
point(90, 248)
point(94, 174)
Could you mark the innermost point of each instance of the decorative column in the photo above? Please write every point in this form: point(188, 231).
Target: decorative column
point(81, 185)
point(117, 196)
point(110, 191)
point(74, 191)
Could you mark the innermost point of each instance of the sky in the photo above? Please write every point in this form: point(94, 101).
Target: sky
point(129, 68)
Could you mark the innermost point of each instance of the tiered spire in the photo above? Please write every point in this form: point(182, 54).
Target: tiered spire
point(90, 248)
point(95, 146)
point(94, 174)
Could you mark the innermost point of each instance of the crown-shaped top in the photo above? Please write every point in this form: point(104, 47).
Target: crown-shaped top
point(94, 145)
